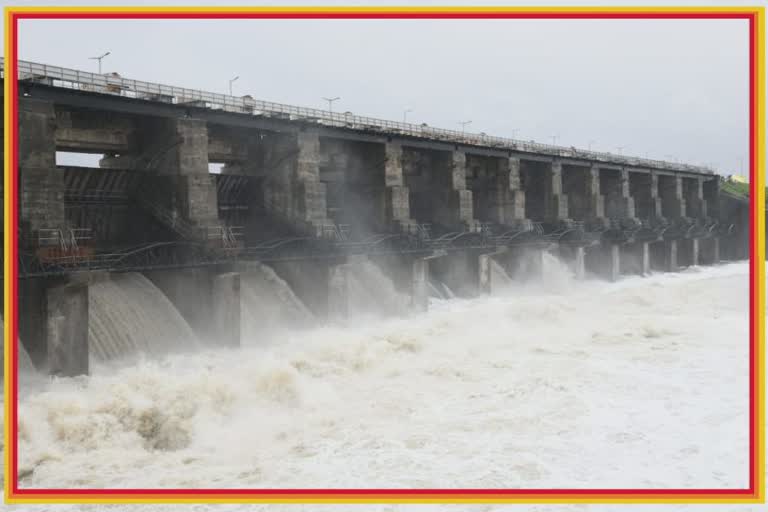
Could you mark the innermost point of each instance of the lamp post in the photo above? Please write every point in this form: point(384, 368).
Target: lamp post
point(330, 102)
point(514, 132)
point(554, 139)
point(405, 114)
point(464, 125)
point(99, 59)
point(619, 149)
point(589, 144)
point(230, 84)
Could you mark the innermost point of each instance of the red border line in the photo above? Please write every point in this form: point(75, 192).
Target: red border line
point(11, 70)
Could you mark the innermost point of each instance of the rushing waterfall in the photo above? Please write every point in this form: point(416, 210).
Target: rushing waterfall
point(25, 363)
point(372, 292)
point(129, 315)
point(268, 303)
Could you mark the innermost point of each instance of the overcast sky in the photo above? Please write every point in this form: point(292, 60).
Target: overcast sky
point(663, 89)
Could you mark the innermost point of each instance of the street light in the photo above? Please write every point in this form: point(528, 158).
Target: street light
point(554, 139)
point(514, 132)
point(99, 59)
point(620, 148)
point(330, 102)
point(589, 145)
point(405, 113)
point(230, 84)
point(464, 125)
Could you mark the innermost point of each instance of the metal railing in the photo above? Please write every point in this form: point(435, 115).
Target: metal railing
point(116, 85)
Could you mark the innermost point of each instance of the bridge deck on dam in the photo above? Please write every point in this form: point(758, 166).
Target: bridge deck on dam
point(156, 96)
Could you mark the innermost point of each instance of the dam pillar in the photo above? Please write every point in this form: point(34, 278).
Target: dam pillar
point(41, 185)
point(485, 270)
point(664, 256)
point(581, 186)
point(673, 204)
point(225, 299)
point(556, 202)
point(206, 299)
point(397, 209)
point(709, 251)
point(67, 329)
point(693, 193)
point(595, 200)
point(180, 193)
point(574, 255)
point(656, 201)
point(189, 163)
point(619, 204)
point(410, 275)
point(293, 191)
point(636, 258)
point(510, 206)
point(644, 190)
point(460, 200)
point(604, 260)
point(497, 196)
point(688, 252)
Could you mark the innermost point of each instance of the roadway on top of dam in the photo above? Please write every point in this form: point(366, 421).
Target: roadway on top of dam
point(82, 89)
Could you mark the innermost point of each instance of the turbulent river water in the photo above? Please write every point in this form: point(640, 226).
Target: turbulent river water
point(640, 383)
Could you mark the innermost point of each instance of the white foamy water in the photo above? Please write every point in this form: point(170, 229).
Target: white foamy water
point(372, 293)
point(128, 316)
point(267, 303)
point(642, 383)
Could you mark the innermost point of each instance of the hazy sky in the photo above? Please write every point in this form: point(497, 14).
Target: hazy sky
point(662, 89)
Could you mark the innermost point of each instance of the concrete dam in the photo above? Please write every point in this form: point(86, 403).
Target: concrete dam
point(308, 216)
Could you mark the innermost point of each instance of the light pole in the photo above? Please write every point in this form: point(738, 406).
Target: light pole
point(464, 125)
point(514, 132)
point(619, 149)
point(405, 114)
point(330, 102)
point(589, 145)
point(99, 59)
point(554, 139)
point(230, 84)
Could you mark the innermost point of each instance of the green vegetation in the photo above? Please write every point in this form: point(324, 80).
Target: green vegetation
point(735, 188)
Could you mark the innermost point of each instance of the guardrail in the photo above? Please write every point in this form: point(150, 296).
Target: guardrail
point(116, 85)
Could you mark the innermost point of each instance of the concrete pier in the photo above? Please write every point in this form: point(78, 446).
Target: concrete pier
point(688, 252)
point(636, 258)
point(41, 186)
point(67, 329)
point(208, 299)
point(225, 298)
point(709, 251)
